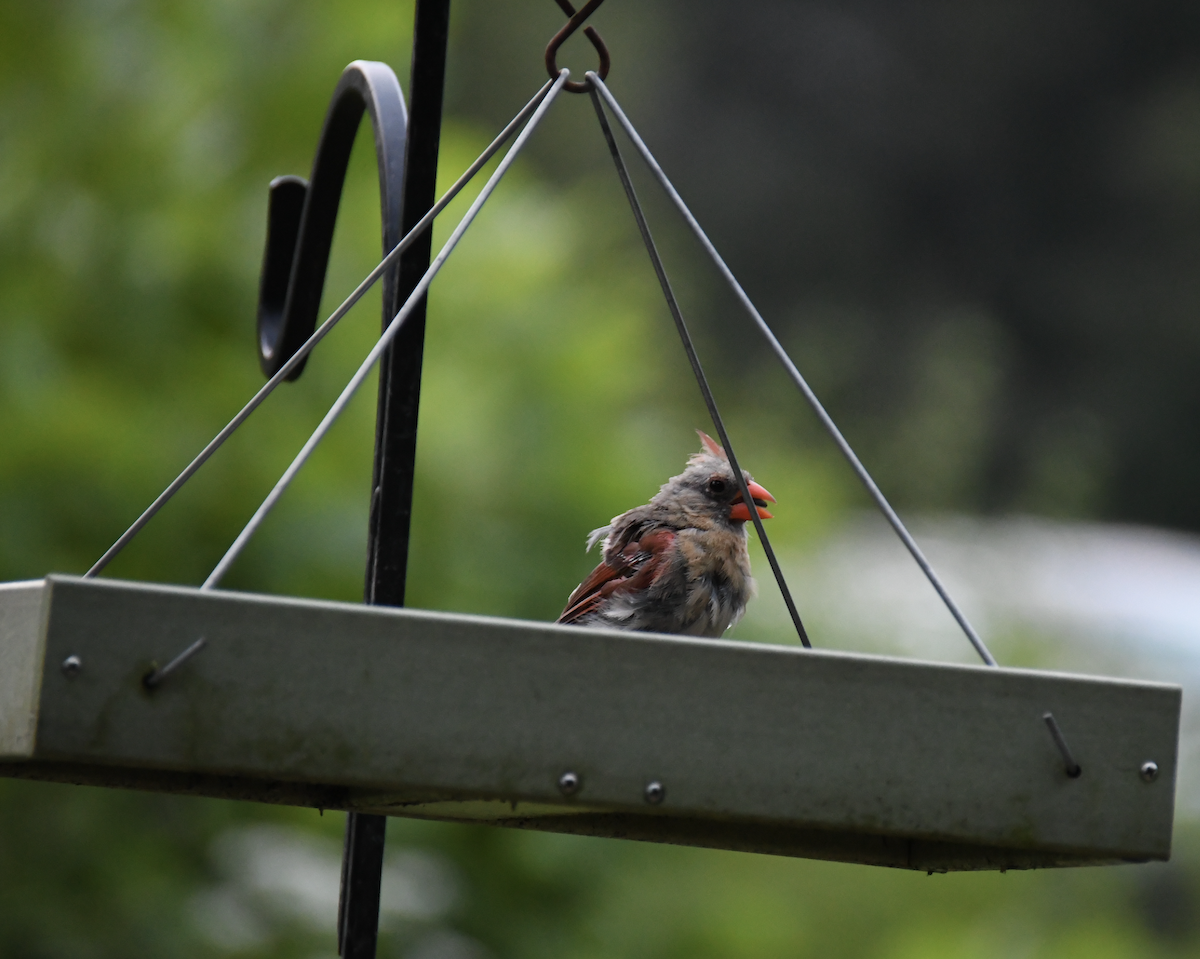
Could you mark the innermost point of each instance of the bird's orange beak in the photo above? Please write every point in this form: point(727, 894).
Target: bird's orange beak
point(740, 511)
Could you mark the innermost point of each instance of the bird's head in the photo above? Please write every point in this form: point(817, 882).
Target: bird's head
point(708, 486)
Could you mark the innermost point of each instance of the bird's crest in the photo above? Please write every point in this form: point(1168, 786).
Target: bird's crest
point(710, 447)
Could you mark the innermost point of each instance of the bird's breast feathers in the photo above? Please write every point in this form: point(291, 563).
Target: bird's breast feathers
point(716, 554)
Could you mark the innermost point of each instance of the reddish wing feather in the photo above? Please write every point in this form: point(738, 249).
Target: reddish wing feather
point(642, 563)
point(581, 603)
point(586, 596)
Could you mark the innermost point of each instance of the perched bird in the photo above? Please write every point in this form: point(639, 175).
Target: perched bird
point(678, 564)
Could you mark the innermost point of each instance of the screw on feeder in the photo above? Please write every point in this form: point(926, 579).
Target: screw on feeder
point(155, 677)
point(577, 86)
point(569, 783)
point(71, 666)
point(655, 792)
point(1149, 771)
point(1073, 769)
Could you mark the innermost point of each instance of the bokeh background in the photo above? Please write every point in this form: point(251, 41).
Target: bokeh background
point(974, 225)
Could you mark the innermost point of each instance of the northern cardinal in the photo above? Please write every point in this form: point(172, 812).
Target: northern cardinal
point(678, 564)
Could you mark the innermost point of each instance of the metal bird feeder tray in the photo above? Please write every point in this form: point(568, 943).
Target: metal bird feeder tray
point(732, 745)
point(377, 709)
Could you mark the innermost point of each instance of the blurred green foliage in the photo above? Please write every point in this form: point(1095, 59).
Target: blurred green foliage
point(136, 142)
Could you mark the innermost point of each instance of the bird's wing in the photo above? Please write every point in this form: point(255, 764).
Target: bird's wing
point(625, 530)
point(637, 567)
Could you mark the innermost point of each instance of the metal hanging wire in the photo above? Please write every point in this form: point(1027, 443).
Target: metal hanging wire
point(697, 369)
point(385, 339)
point(319, 334)
point(534, 111)
point(825, 419)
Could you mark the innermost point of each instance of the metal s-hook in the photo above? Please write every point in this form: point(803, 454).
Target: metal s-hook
point(577, 86)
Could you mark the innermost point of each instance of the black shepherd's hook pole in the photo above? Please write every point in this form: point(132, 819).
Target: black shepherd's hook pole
point(300, 233)
point(396, 441)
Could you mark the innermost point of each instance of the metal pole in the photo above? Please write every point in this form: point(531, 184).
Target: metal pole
point(396, 442)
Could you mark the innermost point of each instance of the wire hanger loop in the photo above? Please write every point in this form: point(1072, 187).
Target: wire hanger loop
point(577, 18)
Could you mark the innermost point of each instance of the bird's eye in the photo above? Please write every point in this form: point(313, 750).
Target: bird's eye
point(716, 485)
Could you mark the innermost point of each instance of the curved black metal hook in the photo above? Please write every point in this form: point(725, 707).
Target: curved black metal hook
point(301, 214)
point(577, 86)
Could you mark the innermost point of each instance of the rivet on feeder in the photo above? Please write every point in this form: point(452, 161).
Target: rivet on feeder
point(569, 783)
